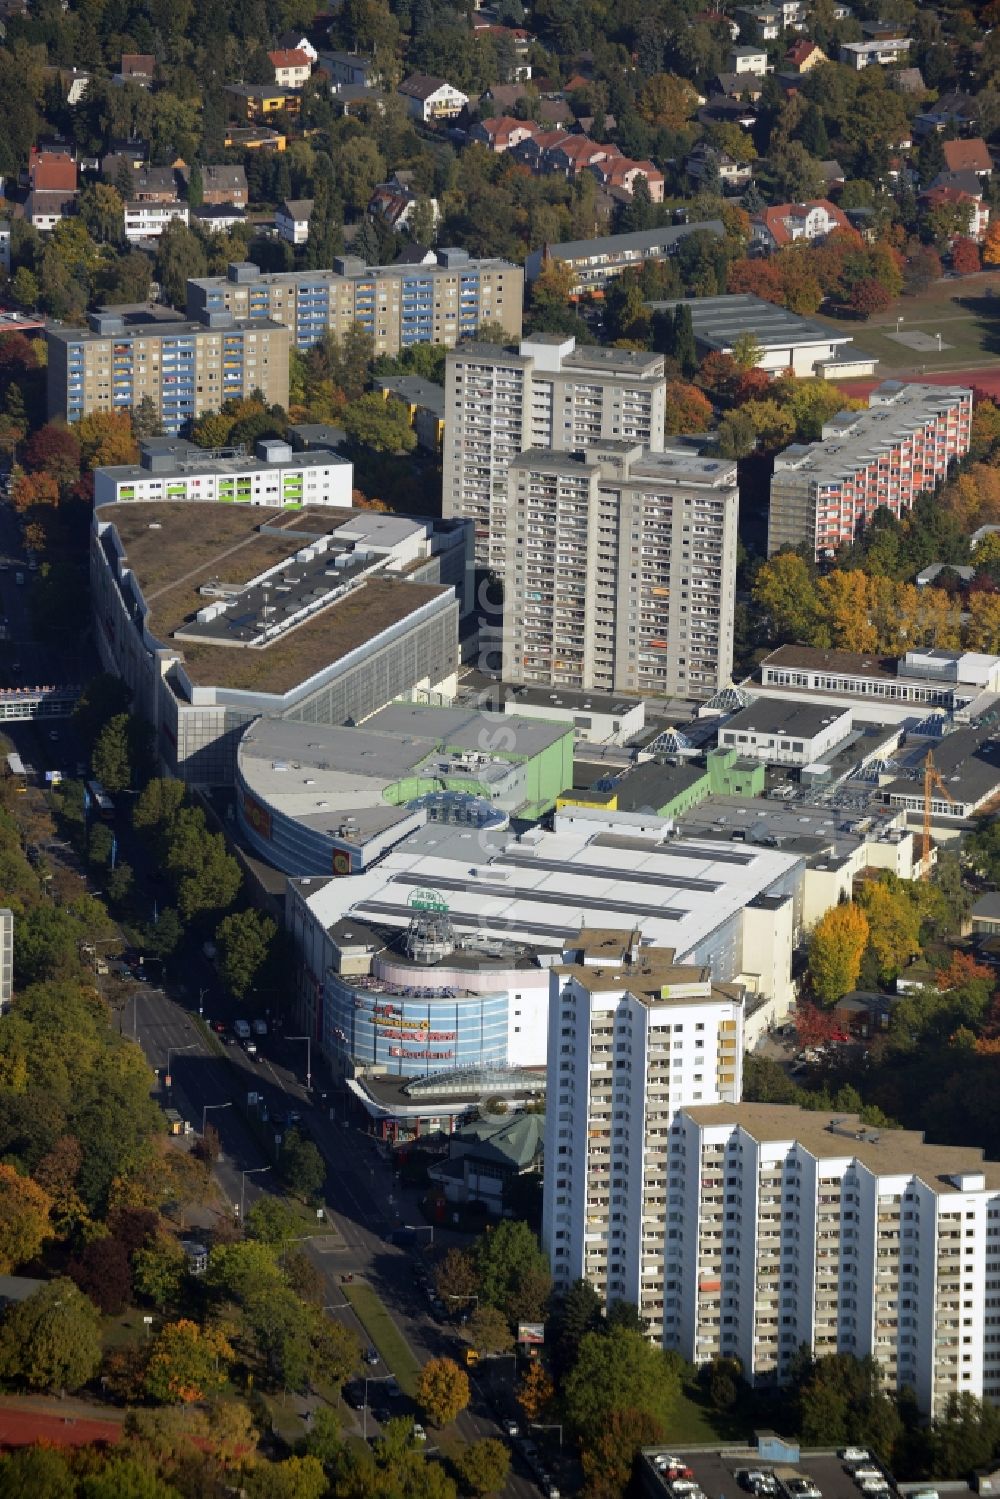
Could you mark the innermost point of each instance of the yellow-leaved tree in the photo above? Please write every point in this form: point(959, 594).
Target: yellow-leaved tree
point(836, 948)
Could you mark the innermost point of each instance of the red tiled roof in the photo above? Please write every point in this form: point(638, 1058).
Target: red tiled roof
point(799, 51)
point(290, 59)
point(502, 127)
point(775, 218)
point(967, 156)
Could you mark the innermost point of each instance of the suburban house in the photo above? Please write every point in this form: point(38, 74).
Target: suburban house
point(783, 223)
point(298, 41)
point(292, 68)
point(704, 160)
point(148, 219)
point(255, 101)
point(748, 60)
point(349, 69)
point(621, 173)
point(394, 201)
point(428, 98)
point(292, 220)
point(886, 51)
point(802, 56)
point(521, 40)
point(716, 20)
point(762, 22)
point(965, 195)
point(957, 109)
point(44, 210)
point(574, 154)
point(971, 155)
point(51, 171)
point(501, 132)
point(138, 68)
point(222, 184)
point(217, 218)
point(155, 185)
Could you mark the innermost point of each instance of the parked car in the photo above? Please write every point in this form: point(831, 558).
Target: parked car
point(260, 1027)
point(511, 1428)
point(250, 1047)
point(854, 1455)
point(419, 1434)
point(371, 1356)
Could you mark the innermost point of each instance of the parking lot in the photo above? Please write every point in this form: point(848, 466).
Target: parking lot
point(715, 1473)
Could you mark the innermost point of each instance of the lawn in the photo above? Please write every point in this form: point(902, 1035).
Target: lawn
point(965, 312)
point(374, 1317)
point(695, 1422)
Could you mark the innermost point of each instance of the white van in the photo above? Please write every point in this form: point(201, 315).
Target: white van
point(241, 1029)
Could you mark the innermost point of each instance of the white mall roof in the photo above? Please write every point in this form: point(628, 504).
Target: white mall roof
point(545, 886)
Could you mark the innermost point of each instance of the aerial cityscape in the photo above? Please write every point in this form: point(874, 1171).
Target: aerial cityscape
point(500, 765)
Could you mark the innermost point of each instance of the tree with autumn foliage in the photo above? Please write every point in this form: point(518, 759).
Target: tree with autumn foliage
point(813, 1026)
point(106, 438)
point(536, 1391)
point(686, 410)
point(30, 491)
point(608, 1458)
point(553, 286)
point(836, 947)
point(54, 450)
point(991, 245)
point(442, 1390)
point(25, 1221)
point(869, 297)
point(965, 259)
point(666, 101)
point(186, 1363)
point(962, 969)
point(893, 925)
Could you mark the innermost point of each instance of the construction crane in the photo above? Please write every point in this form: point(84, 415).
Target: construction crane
point(932, 782)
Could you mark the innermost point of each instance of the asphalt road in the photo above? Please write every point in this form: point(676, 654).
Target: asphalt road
point(364, 1200)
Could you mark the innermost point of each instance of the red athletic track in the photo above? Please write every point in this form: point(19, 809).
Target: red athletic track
point(983, 382)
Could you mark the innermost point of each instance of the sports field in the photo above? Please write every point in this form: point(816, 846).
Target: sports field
point(953, 326)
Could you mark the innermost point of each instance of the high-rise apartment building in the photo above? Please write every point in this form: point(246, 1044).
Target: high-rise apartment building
point(398, 305)
point(549, 395)
point(6, 958)
point(187, 368)
point(747, 1230)
point(619, 570)
point(632, 1038)
point(794, 1227)
point(824, 493)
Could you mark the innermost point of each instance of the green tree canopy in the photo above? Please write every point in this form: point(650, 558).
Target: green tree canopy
point(52, 1341)
point(618, 1370)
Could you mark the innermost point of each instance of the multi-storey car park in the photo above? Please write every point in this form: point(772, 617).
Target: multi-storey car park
point(186, 368)
point(550, 394)
point(214, 615)
point(399, 305)
point(620, 570)
point(824, 493)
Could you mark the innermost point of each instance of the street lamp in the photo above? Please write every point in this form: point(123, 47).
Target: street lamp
point(423, 1228)
point(250, 1171)
point(308, 1041)
point(371, 1379)
point(204, 1113)
point(464, 1298)
point(547, 1426)
point(201, 1000)
point(173, 1051)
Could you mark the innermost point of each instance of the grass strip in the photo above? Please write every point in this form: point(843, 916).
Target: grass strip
point(373, 1314)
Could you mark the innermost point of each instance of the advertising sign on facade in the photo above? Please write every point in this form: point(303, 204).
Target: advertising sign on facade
point(531, 1333)
point(257, 816)
point(425, 899)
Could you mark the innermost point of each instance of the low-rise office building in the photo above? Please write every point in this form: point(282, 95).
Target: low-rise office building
point(779, 733)
point(398, 305)
point(598, 261)
point(171, 468)
point(186, 368)
point(317, 799)
point(215, 615)
point(883, 686)
point(968, 763)
point(824, 493)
